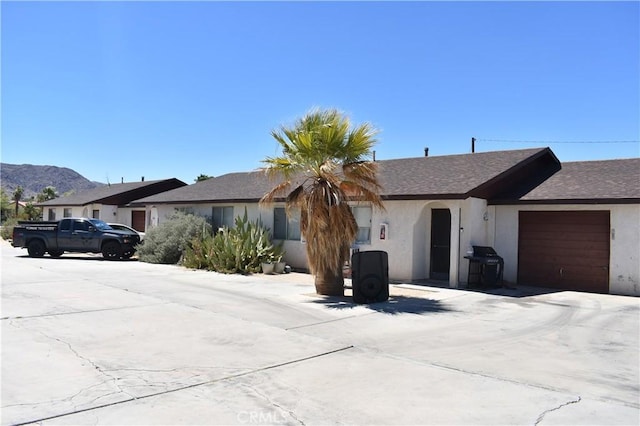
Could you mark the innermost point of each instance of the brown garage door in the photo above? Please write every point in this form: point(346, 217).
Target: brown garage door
point(138, 220)
point(567, 250)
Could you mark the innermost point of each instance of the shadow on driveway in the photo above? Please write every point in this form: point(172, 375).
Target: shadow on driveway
point(507, 289)
point(397, 304)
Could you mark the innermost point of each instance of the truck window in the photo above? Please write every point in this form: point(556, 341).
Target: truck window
point(80, 225)
point(65, 225)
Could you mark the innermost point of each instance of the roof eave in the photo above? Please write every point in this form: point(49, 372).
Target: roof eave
point(559, 201)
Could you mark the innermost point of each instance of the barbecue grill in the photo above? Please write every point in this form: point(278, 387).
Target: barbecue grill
point(485, 267)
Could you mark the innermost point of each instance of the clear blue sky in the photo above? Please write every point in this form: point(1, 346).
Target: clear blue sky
point(175, 89)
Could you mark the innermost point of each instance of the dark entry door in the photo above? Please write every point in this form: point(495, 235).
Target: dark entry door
point(440, 243)
point(138, 220)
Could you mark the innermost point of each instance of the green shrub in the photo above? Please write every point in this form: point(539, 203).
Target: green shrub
point(167, 242)
point(7, 228)
point(237, 250)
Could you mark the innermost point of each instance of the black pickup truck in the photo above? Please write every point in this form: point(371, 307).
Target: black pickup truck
point(80, 235)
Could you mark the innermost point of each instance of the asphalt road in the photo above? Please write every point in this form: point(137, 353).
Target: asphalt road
point(88, 341)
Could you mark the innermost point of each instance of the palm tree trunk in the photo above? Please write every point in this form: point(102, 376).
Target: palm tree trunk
point(329, 283)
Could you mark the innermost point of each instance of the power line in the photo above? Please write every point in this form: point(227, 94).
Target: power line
point(555, 142)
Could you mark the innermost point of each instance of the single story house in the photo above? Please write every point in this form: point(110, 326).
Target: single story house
point(111, 202)
point(569, 226)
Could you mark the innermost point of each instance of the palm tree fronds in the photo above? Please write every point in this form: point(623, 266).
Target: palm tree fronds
point(327, 163)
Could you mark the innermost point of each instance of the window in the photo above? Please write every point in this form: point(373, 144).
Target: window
point(65, 225)
point(96, 214)
point(362, 215)
point(222, 216)
point(51, 214)
point(66, 212)
point(80, 225)
point(285, 228)
point(186, 210)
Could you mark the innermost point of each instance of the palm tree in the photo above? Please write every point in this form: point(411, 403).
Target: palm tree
point(17, 196)
point(324, 164)
point(48, 193)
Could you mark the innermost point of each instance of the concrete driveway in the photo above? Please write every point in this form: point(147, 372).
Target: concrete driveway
point(88, 341)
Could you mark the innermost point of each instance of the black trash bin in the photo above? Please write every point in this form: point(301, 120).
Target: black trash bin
point(370, 276)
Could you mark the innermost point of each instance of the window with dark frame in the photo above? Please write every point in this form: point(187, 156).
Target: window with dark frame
point(285, 228)
point(221, 217)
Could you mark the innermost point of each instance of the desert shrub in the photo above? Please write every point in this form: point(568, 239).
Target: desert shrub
point(7, 228)
point(233, 250)
point(167, 242)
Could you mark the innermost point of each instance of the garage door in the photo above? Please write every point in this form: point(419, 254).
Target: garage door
point(564, 250)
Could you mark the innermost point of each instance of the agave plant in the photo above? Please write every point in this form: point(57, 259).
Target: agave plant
point(324, 164)
point(240, 249)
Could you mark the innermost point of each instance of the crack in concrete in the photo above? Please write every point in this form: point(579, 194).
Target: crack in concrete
point(544, 413)
point(190, 386)
point(111, 380)
point(88, 311)
point(292, 415)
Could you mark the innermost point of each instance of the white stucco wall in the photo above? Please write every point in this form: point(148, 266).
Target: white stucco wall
point(472, 223)
point(407, 240)
point(108, 213)
point(409, 236)
point(624, 261)
point(295, 254)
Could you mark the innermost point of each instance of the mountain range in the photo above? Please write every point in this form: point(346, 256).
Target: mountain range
point(33, 179)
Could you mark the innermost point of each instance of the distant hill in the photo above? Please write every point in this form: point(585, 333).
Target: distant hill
point(34, 179)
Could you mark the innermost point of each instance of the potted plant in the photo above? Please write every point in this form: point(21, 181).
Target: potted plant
point(278, 253)
point(267, 267)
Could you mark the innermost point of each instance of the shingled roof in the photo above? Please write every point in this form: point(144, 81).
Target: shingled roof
point(589, 182)
point(232, 187)
point(483, 175)
point(116, 194)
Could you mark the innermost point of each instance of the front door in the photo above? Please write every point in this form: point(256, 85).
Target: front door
point(138, 219)
point(440, 243)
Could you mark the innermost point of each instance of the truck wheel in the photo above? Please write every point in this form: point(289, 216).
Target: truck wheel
point(36, 248)
point(111, 250)
point(55, 253)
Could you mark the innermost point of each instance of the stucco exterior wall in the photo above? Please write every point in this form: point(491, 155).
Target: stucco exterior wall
point(295, 254)
point(624, 261)
point(408, 236)
point(108, 213)
point(408, 233)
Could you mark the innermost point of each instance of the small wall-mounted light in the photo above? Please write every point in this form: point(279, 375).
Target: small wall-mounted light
point(485, 216)
point(384, 231)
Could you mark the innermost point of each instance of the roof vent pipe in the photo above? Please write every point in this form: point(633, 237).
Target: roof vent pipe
point(374, 155)
point(426, 151)
point(122, 180)
point(143, 178)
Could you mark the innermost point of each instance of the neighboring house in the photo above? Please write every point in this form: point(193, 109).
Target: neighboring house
point(111, 203)
point(12, 205)
point(437, 207)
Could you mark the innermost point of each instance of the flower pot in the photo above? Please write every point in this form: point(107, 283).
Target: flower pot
point(267, 268)
point(279, 267)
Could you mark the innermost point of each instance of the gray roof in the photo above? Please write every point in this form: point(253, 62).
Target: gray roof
point(591, 181)
point(451, 176)
point(232, 187)
point(115, 194)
